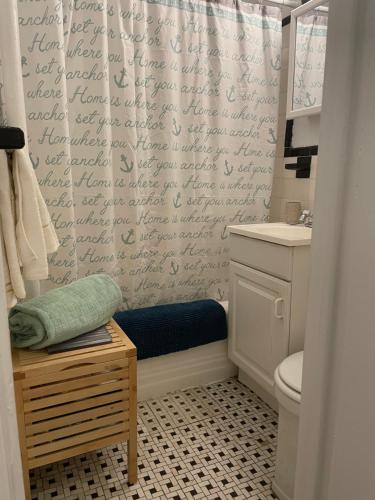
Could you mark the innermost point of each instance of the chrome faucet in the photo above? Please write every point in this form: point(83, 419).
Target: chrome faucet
point(306, 218)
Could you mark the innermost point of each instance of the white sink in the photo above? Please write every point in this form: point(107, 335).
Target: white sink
point(280, 233)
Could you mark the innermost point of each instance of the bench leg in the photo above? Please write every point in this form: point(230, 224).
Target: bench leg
point(26, 483)
point(132, 443)
point(132, 461)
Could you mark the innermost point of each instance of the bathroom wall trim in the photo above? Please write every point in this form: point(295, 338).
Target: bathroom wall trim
point(303, 155)
point(302, 167)
point(290, 151)
point(302, 151)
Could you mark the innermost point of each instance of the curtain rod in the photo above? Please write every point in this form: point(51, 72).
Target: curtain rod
point(284, 3)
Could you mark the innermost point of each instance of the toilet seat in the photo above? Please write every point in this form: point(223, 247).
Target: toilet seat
point(288, 382)
point(290, 371)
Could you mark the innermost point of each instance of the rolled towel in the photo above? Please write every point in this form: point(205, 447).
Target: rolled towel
point(171, 328)
point(64, 313)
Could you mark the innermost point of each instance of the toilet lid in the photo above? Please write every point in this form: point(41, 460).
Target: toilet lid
point(290, 371)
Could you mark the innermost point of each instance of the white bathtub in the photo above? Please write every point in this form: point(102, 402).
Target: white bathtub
point(179, 370)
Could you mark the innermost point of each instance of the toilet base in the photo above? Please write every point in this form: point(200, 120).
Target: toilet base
point(279, 492)
point(268, 398)
point(288, 385)
point(286, 455)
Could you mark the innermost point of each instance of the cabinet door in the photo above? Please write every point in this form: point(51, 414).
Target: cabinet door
point(259, 312)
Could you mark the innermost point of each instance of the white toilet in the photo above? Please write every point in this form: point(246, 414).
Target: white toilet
point(288, 383)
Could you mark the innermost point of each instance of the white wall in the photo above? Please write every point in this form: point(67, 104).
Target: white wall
point(306, 130)
point(337, 433)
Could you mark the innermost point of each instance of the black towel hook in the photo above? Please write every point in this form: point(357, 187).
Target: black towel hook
point(11, 138)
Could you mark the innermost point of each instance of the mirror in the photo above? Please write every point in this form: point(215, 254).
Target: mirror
point(307, 52)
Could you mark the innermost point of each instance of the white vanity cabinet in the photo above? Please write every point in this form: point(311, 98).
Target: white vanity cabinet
point(269, 277)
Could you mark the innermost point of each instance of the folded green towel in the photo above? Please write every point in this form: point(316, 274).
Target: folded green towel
point(64, 313)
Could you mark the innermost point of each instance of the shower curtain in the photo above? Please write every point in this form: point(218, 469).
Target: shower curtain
point(152, 127)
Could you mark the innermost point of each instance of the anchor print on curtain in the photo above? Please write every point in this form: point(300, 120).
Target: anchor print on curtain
point(152, 127)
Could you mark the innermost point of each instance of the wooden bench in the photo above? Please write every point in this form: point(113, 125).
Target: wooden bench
point(75, 402)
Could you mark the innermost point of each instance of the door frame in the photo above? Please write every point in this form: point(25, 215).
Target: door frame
point(324, 359)
point(11, 474)
point(326, 250)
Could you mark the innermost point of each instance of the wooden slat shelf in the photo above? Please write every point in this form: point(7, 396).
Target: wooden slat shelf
point(75, 402)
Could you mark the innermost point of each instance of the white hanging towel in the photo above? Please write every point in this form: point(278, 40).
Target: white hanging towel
point(36, 236)
point(9, 292)
point(14, 284)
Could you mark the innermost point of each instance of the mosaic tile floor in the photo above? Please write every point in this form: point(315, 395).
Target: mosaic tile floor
point(214, 442)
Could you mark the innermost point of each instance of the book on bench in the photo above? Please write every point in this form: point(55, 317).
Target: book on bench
point(96, 337)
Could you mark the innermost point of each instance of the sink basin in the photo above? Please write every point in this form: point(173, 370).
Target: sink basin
point(280, 233)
